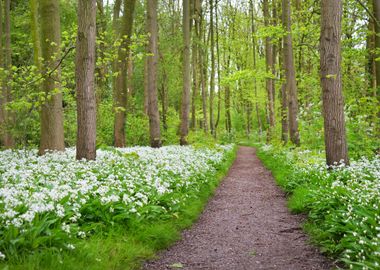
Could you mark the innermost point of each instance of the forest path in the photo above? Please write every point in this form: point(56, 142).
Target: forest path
point(246, 225)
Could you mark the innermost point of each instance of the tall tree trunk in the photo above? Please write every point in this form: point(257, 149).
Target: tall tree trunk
point(85, 80)
point(371, 64)
point(331, 81)
point(185, 106)
point(152, 61)
point(121, 91)
point(291, 85)
point(212, 74)
point(254, 47)
point(52, 136)
point(376, 9)
point(164, 100)
point(2, 82)
point(195, 62)
point(219, 71)
point(203, 70)
point(269, 68)
point(8, 138)
point(101, 69)
point(35, 34)
point(284, 98)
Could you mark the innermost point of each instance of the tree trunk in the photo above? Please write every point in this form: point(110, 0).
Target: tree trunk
point(102, 68)
point(52, 136)
point(331, 81)
point(269, 68)
point(121, 91)
point(254, 47)
point(291, 85)
point(85, 80)
point(376, 9)
point(185, 106)
point(284, 99)
point(203, 71)
point(371, 64)
point(152, 61)
point(7, 87)
point(212, 74)
point(219, 71)
point(3, 82)
point(195, 62)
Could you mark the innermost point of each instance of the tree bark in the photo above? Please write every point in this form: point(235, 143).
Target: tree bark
point(195, 62)
point(121, 91)
point(212, 72)
point(269, 68)
point(7, 87)
point(218, 69)
point(152, 61)
point(202, 58)
point(2, 82)
point(284, 98)
point(185, 106)
point(101, 69)
point(254, 47)
point(371, 64)
point(290, 74)
point(85, 80)
point(376, 9)
point(331, 81)
point(52, 136)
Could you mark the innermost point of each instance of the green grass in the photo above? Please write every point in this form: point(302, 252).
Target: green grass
point(123, 247)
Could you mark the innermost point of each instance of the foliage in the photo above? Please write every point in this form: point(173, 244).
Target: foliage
point(52, 202)
point(342, 202)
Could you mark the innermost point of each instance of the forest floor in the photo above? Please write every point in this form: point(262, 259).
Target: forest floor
point(246, 225)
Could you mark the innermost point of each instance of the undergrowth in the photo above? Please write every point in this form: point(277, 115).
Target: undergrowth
point(342, 203)
point(125, 245)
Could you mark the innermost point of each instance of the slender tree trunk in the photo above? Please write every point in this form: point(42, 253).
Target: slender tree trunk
point(152, 61)
point(52, 136)
point(291, 85)
point(195, 54)
point(85, 80)
point(269, 68)
point(254, 47)
point(101, 69)
point(376, 9)
point(8, 138)
point(2, 82)
point(284, 99)
point(371, 64)
point(164, 100)
point(35, 34)
point(185, 106)
point(219, 71)
point(331, 81)
point(212, 74)
point(121, 91)
point(203, 71)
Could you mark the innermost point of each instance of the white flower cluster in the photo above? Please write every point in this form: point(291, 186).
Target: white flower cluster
point(127, 180)
point(345, 201)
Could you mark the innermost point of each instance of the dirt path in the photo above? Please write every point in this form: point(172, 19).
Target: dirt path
point(246, 225)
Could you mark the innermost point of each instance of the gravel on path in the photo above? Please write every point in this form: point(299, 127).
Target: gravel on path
point(246, 225)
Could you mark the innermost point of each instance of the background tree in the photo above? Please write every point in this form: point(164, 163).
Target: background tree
point(85, 80)
point(52, 137)
point(152, 62)
point(185, 107)
point(120, 90)
point(331, 81)
point(291, 85)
